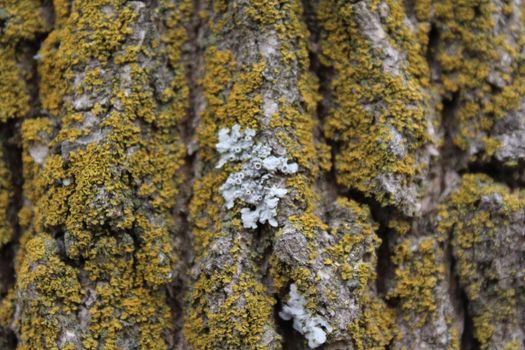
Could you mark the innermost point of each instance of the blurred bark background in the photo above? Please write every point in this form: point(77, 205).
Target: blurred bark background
point(262, 174)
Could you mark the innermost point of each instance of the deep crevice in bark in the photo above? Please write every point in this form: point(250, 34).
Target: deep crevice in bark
point(381, 216)
point(13, 159)
point(433, 39)
point(460, 300)
point(451, 160)
point(291, 339)
point(512, 177)
point(454, 159)
point(468, 342)
point(48, 11)
point(324, 75)
point(385, 269)
point(449, 152)
point(192, 58)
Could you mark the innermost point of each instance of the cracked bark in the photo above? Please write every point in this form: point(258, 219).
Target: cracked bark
point(401, 227)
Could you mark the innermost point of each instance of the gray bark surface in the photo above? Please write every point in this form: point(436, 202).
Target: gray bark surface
point(262, 174)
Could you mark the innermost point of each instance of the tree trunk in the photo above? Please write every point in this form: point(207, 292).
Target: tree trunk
point(262, 174)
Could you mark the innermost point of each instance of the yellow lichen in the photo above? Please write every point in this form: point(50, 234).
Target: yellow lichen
point(375, 107)
point(419, 270)
point(103, 178)
point(481, 214)
point(234, 94)
point(471, 49)
point(21, 21)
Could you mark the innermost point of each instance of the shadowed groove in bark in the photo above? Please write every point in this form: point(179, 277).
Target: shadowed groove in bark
point(449, 152)
point(12, 156)
point(192, 57)
point(450, 162)
point(460, 301)
point(512, 177)
point(26, 49)
point(10, 131)
point(468, 342)
point(292, 340)
point(381, 216)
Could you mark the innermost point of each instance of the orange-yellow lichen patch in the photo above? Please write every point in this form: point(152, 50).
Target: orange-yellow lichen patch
point(484, 218)
point(380, 116)
point(102, 176)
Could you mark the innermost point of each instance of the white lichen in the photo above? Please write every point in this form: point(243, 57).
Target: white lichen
point(314, 328)
point(39, 153)
point(256, 183)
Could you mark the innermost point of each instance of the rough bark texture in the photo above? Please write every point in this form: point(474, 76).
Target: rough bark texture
point(262, 174)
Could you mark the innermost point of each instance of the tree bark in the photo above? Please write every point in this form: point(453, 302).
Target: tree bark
point(249, 174)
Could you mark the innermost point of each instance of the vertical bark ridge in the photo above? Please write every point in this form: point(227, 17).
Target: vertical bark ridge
point(259, 90)
point(228, 304)
point(481, 64)
point(352, 37)
point(381, 112)
point(102, 171)
point(479, 55)
point(484, 219)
